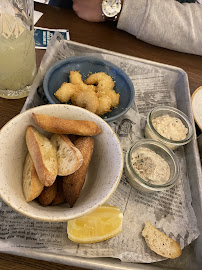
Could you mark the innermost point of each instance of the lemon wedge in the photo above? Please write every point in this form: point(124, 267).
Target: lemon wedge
point(101, 224)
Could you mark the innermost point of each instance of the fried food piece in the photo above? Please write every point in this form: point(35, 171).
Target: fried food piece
point(86, 99)
point(102, 80)
point(105, 85)
point(59, 198)
point(66, 91)
point(72, 184)
point(66, 126)
point(81, 94)
point(48, 194)
point(98, 99)
point(104, 104)
point(112, 95)
point(76, 79)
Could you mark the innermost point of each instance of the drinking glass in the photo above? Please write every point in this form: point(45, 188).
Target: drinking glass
point(17, 48)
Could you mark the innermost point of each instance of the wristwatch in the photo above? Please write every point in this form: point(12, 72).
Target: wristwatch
point(111, 9)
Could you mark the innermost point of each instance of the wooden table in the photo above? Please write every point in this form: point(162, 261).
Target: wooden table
point(103, 35)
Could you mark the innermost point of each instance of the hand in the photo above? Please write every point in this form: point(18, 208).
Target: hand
point(89, 10)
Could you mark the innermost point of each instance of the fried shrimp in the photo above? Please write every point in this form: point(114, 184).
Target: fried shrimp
point(112, 95)
point(102, 80)
point(105, 85)
point(66, 91)
point(86, 99)
point(104, 104)
point(76, 79)
point(95, 94)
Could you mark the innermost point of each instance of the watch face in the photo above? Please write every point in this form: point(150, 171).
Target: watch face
point(111, 8)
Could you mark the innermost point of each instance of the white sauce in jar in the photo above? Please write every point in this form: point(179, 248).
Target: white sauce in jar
point(150, 166)
point(169, 127)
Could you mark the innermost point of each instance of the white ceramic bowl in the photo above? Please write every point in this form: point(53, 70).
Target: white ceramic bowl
point(103, 176)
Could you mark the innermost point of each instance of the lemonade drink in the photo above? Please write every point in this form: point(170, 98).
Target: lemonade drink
point(17, 57)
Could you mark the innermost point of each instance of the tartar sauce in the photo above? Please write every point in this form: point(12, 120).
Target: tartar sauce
point(169, 127)
point(150, 166)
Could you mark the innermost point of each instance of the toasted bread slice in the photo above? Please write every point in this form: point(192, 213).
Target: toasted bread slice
point(160, 242)
point(59, 198)
point(31, 185)
point(43, 154)
point(48, 194)
point(73, 183)
point(69, 157)
point(66, 126)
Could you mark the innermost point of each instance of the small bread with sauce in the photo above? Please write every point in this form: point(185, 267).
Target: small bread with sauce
point(160, 243)
point(72, 184)
point(31, 185)
point(66, 126)
point(43, 154)
point(48, 194)
point(69, 157)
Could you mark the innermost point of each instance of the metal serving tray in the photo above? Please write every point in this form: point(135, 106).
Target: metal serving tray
point(188, 258)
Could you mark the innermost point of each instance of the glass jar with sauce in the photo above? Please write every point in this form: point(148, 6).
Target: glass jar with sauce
point(151, 166)
point(169, 126)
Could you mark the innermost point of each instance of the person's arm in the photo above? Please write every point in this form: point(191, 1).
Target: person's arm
point(167, 24)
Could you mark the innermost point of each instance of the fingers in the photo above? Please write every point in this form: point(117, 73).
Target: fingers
point(89, 10)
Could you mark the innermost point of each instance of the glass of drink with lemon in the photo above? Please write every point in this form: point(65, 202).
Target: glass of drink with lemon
point(17, 48)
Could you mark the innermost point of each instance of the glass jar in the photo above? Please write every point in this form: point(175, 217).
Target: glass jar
point(168, 127)
point(17, 48)
point(150, 182)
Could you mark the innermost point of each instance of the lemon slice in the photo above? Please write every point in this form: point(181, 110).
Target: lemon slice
point(103, 223)
point(197, 106)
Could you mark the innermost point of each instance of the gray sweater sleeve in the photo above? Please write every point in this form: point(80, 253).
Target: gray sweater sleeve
point(165, 23)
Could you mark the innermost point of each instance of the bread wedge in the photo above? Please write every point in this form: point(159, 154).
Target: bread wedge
point(59, 198)
point(48, 194)
point(31, 185)
point(69, 157)
point(43, 154)
point(66, 126)
point(73, 183)
point(160, 243)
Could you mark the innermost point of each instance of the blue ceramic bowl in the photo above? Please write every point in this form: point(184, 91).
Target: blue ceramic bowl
point(60, 71)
